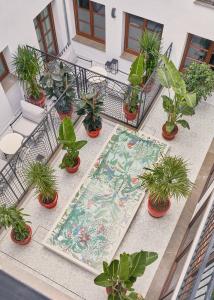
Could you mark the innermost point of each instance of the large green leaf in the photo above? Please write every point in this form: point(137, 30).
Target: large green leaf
point(113, 268)
point(137, 69)
point(103, 280)
point(138, 263)
point(164, 79)
point(183, 123)
point(150, 257)
point(167, 104)
point(68, 130)
point(190, 99)
point(80, 144)
point(174, 76)
point(114, 297)
point(123, 271)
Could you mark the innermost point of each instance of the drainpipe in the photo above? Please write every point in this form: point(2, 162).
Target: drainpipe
point(66, 23)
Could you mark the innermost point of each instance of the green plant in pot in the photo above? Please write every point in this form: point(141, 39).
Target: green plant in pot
point(137, 70)
point(27, 69)
point(58, 85)
point(67, 138)
point(167, 178)
point(119, 276)
point(178, 102)
point(150, 43)
point(199, 79)
point(42, 178)
point(92, 106)
point(14, 217)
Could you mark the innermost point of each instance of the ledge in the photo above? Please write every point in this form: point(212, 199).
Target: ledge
point(90, 43)
point(205, 4)
point(128, 56)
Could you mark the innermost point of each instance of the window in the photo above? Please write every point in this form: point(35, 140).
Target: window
point(45, 30)
point(90, 19)
point(134, 27)
point(198, 49)
point(3, 67)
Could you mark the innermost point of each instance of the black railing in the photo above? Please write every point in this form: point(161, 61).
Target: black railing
point(39, 146)
point(114, 92)
point(198, 282)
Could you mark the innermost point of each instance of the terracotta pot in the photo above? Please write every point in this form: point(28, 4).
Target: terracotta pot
point(130, 116)
point(23, 242)
point(75, 168)
point(157, 213)
point(39, 102)
point(169, 136)
point(51, 204)
point(94, 133)
point(68, 114)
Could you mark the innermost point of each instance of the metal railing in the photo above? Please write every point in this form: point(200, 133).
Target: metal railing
point(198, 282)
point(39, 146)
point(114, 92)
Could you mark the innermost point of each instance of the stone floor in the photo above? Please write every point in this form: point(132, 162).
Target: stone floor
point(144, 233)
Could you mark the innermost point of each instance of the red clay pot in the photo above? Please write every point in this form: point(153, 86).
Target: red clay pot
point(39, 102)
point(49, 205)
point(94, 133)
point(68, 114)
point(75, 168)
point(25, 241)
point(169, 136)
point(157, 213)
point(129, 115)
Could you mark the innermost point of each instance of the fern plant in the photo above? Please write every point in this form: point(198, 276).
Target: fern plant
point(42, 178)
point(15, 218)
point(168, 178)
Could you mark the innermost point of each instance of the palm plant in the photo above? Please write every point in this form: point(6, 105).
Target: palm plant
point(168, 178)
point(92, 107)
point(57, 83)
point(27, 68)
point(42, 178)
point(150, 44)
point(15, 218)
point(119, 276)
point(67, 138)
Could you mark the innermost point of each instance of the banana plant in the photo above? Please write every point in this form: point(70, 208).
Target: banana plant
point(67, 138)
point(181, 103)
point(119, 276)
point(135, 78)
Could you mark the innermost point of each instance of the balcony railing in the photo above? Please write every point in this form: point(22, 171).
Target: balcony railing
point(209, 2)
point(197, 279)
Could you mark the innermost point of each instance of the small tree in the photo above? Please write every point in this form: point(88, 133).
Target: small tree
point(43, 179)
point(120, 275)
point(15, 218)
point(199, 79)
point(181, 103)
point(67, 138)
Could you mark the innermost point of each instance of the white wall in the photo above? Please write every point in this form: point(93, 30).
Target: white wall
point(17, 28)
point(179, 18)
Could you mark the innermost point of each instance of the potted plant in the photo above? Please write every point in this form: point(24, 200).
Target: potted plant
point(150, 43)
point(179, 104)
point(119, 276)
point(27, 68)
point(92, 107)
point(42, 178)
point(167, 178)
point(13, 217)
point(135, 78)
point(199, 79)
point(67, 138)
point(57, 84)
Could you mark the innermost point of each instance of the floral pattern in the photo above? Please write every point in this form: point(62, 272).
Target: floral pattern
point(96, 220)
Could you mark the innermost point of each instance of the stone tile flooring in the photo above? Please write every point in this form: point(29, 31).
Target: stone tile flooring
point(144, 233)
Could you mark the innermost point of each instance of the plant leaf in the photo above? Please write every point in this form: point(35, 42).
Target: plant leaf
point(183, 123)
point(103, 280)
point(191, 99)
point(167, 104)
point(113, 268)
point(123, 271)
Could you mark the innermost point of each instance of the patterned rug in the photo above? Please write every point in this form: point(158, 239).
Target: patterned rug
point(94, 223)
